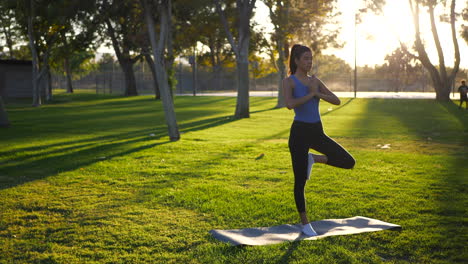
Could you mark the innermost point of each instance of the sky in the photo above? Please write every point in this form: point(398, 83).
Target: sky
point(379, 35)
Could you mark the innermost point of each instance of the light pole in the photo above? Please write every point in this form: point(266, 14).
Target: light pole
point(193, 62)
point(355, 53)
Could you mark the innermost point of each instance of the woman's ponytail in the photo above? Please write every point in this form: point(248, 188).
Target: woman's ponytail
point(296, 52)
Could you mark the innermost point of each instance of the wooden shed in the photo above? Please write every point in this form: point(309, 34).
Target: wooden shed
point(15, 79)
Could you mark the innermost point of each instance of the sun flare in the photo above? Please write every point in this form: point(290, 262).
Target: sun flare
point(379, 34)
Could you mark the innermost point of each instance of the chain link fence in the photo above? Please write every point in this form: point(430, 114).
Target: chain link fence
point(206, 80)
point(112, 81)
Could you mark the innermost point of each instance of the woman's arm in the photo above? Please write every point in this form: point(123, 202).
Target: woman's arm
point(292, 102)
point(325, 93)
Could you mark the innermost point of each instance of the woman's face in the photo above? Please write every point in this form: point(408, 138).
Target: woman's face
point(305, 61)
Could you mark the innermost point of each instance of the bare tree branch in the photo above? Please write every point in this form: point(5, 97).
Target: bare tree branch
point(404, 48)
point(455, 42)
point(222, 15)
point(435, 36)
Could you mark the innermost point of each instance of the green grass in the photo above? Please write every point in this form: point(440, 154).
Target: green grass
point(95, 179)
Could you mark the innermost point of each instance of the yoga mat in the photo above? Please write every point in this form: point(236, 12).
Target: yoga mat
point(278, 234)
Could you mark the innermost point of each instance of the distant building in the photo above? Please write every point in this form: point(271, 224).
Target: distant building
point(15, 79)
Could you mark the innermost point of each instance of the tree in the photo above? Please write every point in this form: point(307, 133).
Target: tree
point(158, 46)
point(149, 60)
point(43, 21)
point(302, 21)
point(203, 27)
point(3, 114)
point(260, 68)
point(47, 26)
point(241, 51)
point(74, 46)
point(105, 62)
point(124, 22)
point(75, 66)
point(9, 29)
point(372, 5)
point(330, 66)
point(281, 20)
point(143, 42)
point(401, 68)
point(442, 80)
point(183, 32)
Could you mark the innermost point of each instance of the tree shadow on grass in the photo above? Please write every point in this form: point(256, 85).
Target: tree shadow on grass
point(38, 167)
point(70, 155)
point(205, 123)
point(95, 115)
point(462, 116)
point(67, 155)
point(67, 145)
point(434, 125)
point(264, 110)
point(182, 102)
point(63, 146)
point(452, 203)
point(423, 119)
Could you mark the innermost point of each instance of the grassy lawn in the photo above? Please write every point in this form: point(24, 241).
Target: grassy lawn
point(94, 179)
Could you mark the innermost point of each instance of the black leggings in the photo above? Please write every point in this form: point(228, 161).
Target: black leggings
point(305, 136)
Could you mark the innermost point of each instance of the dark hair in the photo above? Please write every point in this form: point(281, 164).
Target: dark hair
point(296, 53)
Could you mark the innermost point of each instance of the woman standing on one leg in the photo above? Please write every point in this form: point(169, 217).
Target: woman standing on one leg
point(303, 93)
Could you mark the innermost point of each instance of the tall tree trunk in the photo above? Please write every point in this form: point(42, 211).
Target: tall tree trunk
point(49, 80)
point(441, 81)
point(170, 49)
point(150, 63)
point(242, 107)
point(219, 64)
point(440, 53)
point(36, 95)
point(456, 66)
point(280, 43)
point(66, 65)
point(281, 74)
point(48, 84)
point(216, 63)
point(38, 71)
point(423, 57)
point(242, 104)
point(43, 82)
point(161, 75)
point(442, 90)
point(241, 50)
point(125, 61)
point(68, 72)
point(3, 114)
point(129, 76)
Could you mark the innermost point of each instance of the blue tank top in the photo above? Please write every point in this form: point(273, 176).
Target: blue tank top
point(309, 111)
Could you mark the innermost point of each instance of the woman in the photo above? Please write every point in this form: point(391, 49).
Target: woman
point(303, 93)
